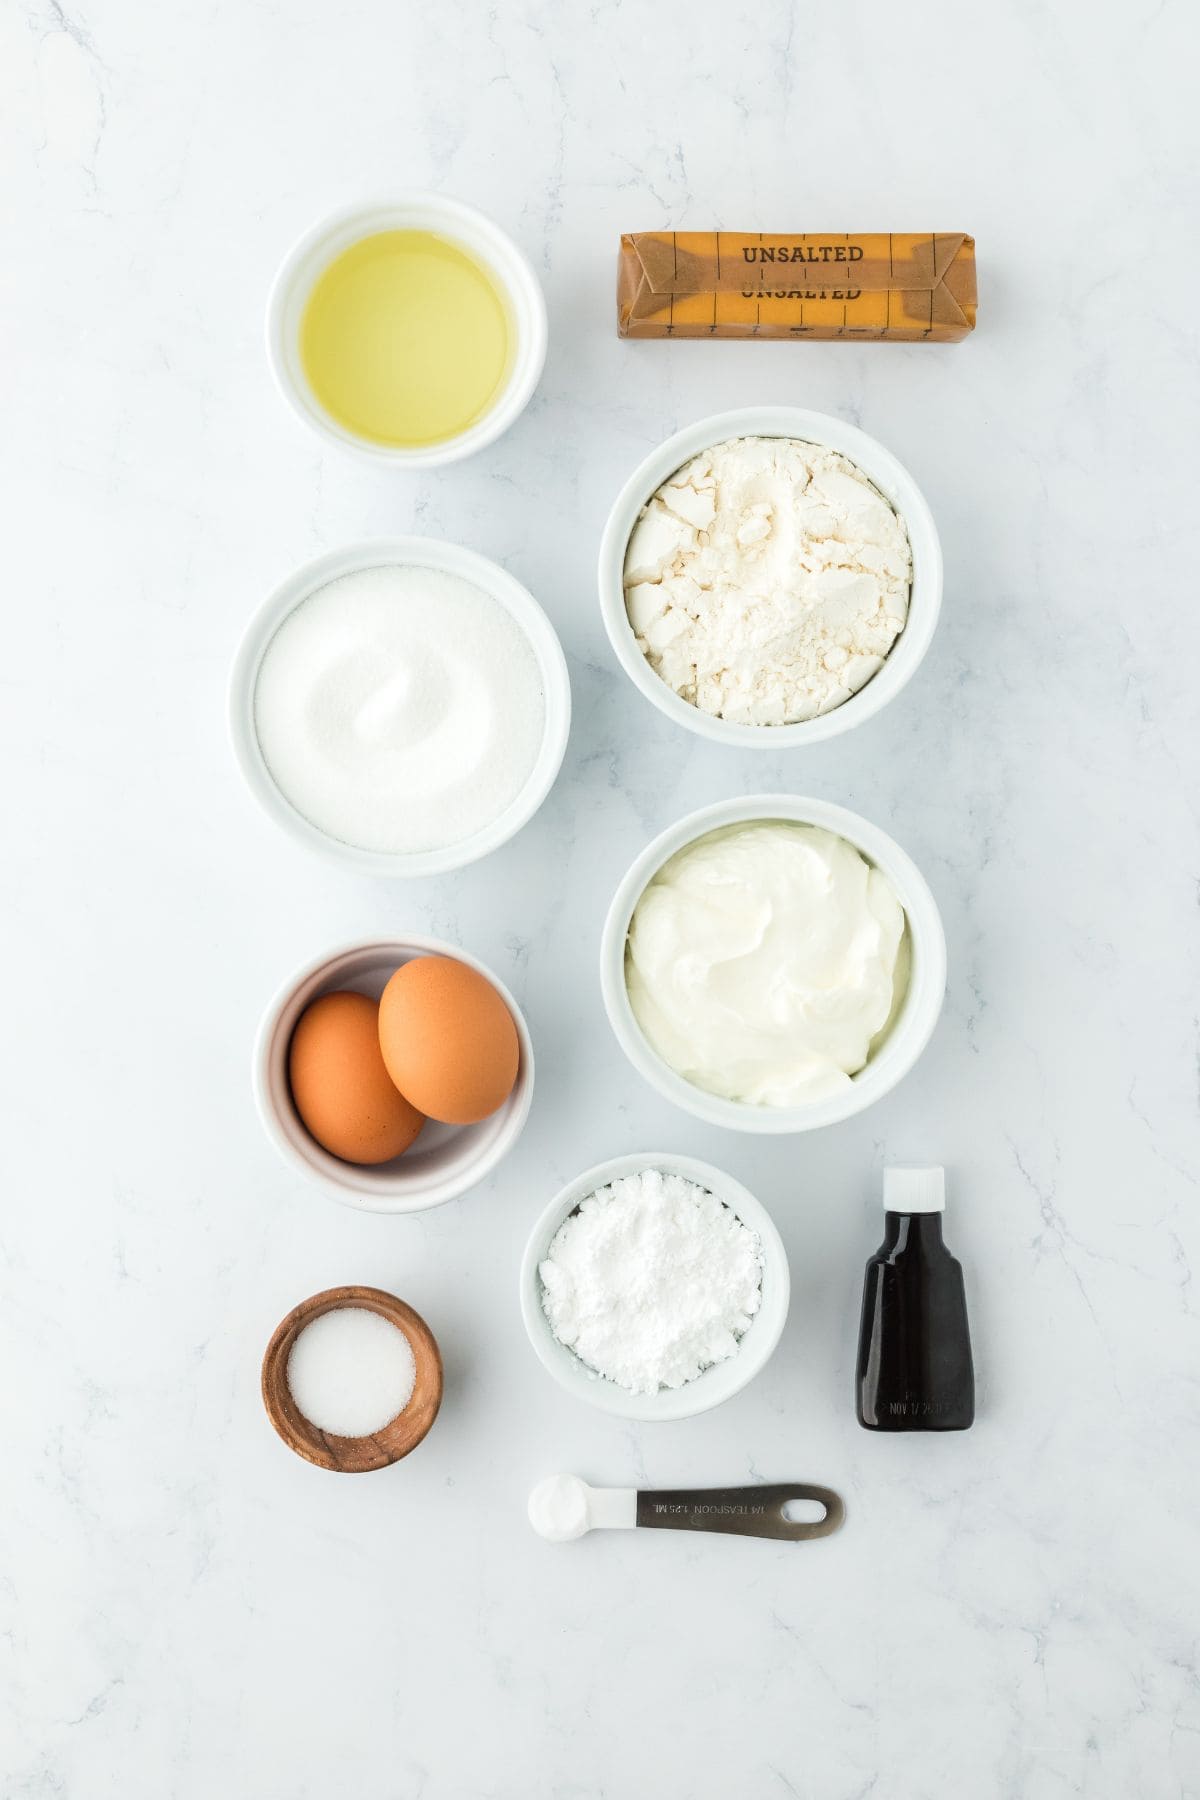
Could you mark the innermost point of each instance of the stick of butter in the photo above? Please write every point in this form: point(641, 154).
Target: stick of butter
point(915, 287)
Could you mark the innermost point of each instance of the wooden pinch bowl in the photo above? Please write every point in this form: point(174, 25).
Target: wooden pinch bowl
point(353, 1455)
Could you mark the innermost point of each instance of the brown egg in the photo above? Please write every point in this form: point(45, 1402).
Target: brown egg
point(342, 1091)
point(448, 1040)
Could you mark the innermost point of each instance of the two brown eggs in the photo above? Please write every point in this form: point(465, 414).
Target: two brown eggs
point(440, 1043)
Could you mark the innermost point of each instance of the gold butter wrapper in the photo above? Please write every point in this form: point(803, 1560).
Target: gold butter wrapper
point(910, 287)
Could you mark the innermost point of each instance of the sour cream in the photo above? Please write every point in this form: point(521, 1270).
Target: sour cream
point(764, 960)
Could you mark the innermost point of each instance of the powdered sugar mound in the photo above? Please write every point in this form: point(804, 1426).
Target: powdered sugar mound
point(651, 1281)
point(767, 580)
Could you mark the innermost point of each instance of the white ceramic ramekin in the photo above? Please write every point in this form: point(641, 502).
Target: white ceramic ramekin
point(893, 481)
point(911, 1030)
point(413, 552)
point(716, 1383)
point(462, 225)
point(445, 1160)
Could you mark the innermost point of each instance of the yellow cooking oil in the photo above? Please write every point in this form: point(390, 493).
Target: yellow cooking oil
point(406, 339)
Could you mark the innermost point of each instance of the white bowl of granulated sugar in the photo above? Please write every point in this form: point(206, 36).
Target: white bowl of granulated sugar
point(402, 705)
point(605, 1308)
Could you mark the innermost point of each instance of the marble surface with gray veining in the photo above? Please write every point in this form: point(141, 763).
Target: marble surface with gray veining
point(186, 1609)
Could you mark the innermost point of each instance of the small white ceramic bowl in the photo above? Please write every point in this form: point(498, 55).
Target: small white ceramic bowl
point(910, 1031)
point(716, 1383)
point(413, 552)
point(445, 1160)
point(893, 481)
point(450, 219)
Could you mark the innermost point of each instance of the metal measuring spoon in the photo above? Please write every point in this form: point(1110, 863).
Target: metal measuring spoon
point(563, 1507)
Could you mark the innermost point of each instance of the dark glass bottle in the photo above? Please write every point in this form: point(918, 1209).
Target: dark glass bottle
point(914, 1348)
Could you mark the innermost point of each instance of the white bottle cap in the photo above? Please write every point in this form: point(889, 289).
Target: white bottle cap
point(914, 1190)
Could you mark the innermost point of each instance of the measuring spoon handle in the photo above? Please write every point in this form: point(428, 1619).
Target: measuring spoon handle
point(740, 1511)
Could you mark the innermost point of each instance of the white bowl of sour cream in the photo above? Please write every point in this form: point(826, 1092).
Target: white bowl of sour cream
point(759, 980)
point(402, 705)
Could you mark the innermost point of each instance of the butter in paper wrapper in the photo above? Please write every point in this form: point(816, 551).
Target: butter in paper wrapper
point(910, 287)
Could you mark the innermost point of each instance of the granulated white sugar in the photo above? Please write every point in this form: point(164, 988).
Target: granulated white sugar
point(400, 709)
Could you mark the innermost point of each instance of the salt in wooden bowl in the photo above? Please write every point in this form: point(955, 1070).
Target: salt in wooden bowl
point(353, 1455)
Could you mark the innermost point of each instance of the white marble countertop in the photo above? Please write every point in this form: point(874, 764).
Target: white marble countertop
point(185, 1608)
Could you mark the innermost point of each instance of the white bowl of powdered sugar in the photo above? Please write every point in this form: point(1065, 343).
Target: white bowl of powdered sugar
point(654, 1286)
point(770, 577)
point(402, 705)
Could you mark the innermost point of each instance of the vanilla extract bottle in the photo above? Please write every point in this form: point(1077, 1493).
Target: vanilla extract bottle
point(914, 1352)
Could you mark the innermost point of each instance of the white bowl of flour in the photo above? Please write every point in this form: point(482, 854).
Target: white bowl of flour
point(402, 705)
point(621, 1296)
point(770, 577)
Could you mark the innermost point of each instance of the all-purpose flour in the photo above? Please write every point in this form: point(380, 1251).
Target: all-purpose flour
point(651, 1281)
point(767, 580)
